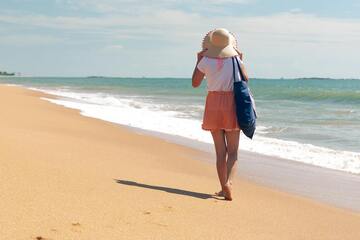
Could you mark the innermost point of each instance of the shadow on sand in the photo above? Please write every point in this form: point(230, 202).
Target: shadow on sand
point(169, 190)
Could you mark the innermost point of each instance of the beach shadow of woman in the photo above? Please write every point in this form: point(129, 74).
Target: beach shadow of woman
point(169, 190)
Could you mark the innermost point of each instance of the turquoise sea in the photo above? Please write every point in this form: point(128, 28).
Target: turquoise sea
point(315, 121)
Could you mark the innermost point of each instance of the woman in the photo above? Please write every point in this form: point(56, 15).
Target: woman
point(215, 63)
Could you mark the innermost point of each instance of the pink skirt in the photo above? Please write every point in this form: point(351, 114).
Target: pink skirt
point(220, 111)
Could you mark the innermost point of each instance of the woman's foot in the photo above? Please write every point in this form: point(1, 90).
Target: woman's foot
point(221, 192)
point(227, 192)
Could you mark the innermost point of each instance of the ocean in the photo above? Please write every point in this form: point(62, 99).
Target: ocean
point(313, 121)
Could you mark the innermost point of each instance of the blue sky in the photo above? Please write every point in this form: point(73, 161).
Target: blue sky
point(160, 38)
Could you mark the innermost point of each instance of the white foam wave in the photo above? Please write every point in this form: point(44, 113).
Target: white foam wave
point(136, 113)
point(12, 84)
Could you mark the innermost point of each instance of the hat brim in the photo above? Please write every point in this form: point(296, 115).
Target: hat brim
point(214, 52)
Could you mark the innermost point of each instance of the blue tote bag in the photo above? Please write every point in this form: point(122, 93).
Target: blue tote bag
point(245, 104)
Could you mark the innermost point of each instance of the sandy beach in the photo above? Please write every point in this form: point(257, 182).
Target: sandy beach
point(66, 176)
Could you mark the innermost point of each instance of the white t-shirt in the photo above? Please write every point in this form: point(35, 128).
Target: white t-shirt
point(219, 73)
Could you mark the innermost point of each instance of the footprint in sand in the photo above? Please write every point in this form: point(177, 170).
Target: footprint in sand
point(169, 208)
point(42, 238)
point(76, 227)
point(160, 224)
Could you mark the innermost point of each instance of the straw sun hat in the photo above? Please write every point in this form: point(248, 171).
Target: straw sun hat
point(219, 43)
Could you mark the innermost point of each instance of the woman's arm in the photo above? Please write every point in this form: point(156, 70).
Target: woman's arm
point(197, 76)
point(241, 55)
point(244, 72)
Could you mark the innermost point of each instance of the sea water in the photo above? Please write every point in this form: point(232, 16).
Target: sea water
point(314, 121)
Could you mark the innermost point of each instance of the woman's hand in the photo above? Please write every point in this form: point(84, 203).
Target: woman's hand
point(200, 55)
point(241, 55)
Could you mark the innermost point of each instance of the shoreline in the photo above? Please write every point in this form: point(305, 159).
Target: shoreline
point(70, 176)
point(107, 105)
point(259, 168)
point(315, 182)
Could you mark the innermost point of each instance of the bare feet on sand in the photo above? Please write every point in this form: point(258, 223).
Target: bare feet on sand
point(225, 192)
point(220, 193)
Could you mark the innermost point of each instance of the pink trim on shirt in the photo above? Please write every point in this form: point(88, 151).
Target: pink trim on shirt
point(219, 64)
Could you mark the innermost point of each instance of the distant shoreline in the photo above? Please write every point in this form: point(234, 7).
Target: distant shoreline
point(185, 78)
point(6, 74)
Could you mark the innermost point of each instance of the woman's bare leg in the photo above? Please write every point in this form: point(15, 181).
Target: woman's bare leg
point(221, 166)
point(232, 146)
point(220, 148)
